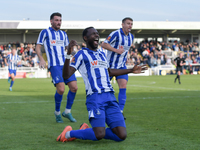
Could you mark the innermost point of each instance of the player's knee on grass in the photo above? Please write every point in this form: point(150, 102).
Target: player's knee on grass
point(99, 132)
point(122, 136)
point(120, 132)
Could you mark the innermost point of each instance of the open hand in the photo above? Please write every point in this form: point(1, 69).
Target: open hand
point(120, 51)
point(139, 69)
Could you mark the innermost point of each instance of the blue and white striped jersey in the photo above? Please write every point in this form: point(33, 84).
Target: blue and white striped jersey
point(118, 39)
point(93, 67)
point(54, 44)
point(12, 61)
point(103, 50)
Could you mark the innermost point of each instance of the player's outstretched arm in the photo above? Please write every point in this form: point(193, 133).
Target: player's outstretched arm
point(68, 70)
point(136, 69)
point(110, 48)
point(42, 63)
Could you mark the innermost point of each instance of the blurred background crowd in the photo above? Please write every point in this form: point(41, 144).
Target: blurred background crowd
point(26, 51)
point(152, 53)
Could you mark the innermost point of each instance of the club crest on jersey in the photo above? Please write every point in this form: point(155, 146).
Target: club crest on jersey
point(108, 38)
point(73, 60)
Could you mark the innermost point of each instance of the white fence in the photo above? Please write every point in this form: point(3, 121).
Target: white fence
point(35, 72)
point(25, 72)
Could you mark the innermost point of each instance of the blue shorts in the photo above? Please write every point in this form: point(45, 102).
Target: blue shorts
point(125, 76)
point(56, 74)
point(12, 71)
point(104, 108)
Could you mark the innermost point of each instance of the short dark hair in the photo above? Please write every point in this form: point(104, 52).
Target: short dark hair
point(55, 14)
point(127, 18)
point(85, 31)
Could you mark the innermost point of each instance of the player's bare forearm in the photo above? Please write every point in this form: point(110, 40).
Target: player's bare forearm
point(6, 62)
point(67, 70)
point(117, 72)
point(38, 52)
point(109, 47)
point(136, 69)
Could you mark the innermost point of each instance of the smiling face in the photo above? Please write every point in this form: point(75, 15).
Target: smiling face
point(56, 22)
point(127, 26)
point(92, 39)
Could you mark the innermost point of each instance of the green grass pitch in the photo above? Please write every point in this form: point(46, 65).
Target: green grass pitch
point(161, 115)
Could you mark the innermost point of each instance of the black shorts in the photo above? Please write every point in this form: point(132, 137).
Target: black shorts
point(179, 69)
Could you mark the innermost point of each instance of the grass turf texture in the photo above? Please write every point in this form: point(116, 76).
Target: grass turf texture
point(161, 115)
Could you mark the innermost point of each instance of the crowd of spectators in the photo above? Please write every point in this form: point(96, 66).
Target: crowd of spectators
point(147, 52)
point(153, 53)
point(26, 51)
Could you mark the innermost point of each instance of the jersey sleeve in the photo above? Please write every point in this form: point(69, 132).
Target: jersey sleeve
point(41, 37)
point(112, 37)
point(66, 42)
point(77, 60)
point(175, 59)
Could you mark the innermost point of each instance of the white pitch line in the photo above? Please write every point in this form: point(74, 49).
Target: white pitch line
point(164, 88)
point(36, 102)
point(165, 97)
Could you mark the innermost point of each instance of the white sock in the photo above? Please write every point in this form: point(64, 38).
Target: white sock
point(67, 111)
point(57, 112)
point(67, 135)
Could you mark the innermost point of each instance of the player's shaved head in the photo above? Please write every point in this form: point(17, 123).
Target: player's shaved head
point(85, 31)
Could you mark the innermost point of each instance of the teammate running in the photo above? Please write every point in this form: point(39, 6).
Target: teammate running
point(118, 44)
point(12, 60)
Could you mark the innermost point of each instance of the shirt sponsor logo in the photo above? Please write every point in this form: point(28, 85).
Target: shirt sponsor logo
point(99, 64)
point(53, 41)
point(57, 42)
point(120, 46)
point(94, 62)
